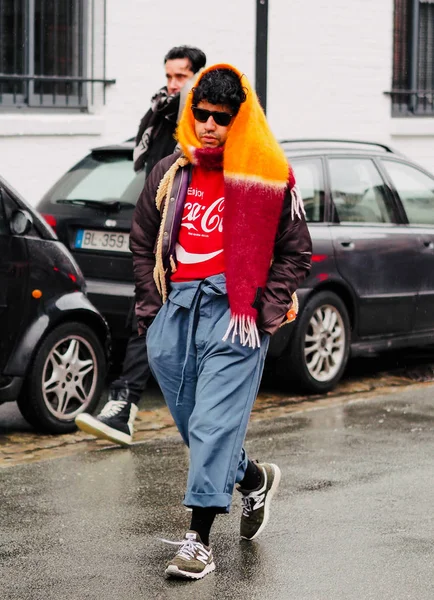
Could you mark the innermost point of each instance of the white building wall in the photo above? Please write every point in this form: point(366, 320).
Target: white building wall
point(36, 149)
point(329, 64)
point(138, 44)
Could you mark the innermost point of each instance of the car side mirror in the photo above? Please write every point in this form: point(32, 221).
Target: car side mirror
point(21, 222)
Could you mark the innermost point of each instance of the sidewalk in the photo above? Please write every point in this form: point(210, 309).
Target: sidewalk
point(155, 422)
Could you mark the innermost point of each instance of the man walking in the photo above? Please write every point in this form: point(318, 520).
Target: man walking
point(219, 246)
point(155, 139)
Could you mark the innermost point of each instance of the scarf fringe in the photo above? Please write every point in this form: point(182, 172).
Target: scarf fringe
point(246, 329)
point(297, 206)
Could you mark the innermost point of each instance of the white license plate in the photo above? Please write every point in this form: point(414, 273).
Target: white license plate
point(90, 239)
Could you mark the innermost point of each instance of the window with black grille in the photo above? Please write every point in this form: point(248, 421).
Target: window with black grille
point(49, 53)
point(412, 91)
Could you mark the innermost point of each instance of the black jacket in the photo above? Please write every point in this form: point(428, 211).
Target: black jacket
point(163, 142)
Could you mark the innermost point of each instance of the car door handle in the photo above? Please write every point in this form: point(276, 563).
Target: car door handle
point(428, 244)
point(348, 244)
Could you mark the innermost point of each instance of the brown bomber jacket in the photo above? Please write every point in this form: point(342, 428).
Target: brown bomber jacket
point(292, 250)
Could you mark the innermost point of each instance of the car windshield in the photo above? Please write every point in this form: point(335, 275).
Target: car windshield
point(103, 177)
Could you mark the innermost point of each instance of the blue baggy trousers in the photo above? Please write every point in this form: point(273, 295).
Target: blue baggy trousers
point(209, 385)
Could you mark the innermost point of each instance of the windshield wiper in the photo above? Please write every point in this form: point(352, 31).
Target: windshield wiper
point(111, 205)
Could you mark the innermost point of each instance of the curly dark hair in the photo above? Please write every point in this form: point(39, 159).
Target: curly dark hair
point(196, 57)
point(220, 86)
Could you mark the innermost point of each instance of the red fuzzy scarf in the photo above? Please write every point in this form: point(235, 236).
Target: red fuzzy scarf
point(251, 217)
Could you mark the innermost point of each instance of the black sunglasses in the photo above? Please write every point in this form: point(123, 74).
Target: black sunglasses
point(202, 115)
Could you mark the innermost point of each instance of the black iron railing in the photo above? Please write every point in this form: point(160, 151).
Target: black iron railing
point(65, 91)
point(412, 103)
point(52, 53)
point(413, 59)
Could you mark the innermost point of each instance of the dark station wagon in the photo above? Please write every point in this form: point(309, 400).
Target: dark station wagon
point(371, 216)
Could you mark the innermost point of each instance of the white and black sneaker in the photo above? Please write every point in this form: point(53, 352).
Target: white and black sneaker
point(193, 560)
point(115, 421)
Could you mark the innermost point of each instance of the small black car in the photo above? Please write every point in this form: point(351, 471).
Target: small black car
point(370, 212)
point(53, 341)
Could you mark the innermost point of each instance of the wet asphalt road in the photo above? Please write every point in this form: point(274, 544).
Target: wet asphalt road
point(352, 519)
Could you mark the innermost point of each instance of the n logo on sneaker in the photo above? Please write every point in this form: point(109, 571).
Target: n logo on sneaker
point(203, 555)
point(258, 502)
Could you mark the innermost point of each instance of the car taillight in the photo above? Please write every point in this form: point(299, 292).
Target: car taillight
point(51, 220)
point(76, 278)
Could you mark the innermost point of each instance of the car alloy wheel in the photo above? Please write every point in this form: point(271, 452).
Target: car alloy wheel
point(69, 377)
point(325, 343)
point(319, 345)
point(66, 378)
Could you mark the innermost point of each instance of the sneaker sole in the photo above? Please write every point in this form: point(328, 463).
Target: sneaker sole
point(173, 571)
point(273, 490)
point(89, 424)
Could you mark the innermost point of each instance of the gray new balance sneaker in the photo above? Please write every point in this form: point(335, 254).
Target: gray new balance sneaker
point(256, 503)
point(193, 560)
point(115, 421)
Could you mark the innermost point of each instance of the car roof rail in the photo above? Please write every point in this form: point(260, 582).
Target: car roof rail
point(120, 146)
point(340, 141)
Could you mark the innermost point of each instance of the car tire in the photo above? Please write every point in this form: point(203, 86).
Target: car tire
point(66, 377)
point(319, 347)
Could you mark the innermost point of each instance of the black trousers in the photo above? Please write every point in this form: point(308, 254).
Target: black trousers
point(135, 368)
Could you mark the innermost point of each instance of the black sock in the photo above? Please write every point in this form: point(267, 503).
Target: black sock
point(202, 520)
point(252, 477)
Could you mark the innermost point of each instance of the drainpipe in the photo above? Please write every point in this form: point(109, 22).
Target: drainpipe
point(414, 55)
point(262, 50)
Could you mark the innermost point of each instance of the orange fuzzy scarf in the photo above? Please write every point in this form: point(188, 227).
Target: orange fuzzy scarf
point(257, 176)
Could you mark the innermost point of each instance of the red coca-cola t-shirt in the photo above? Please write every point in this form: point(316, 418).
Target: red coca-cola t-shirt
point(199, 250)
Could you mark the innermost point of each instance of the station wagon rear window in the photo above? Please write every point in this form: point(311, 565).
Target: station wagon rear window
point(104, 177)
